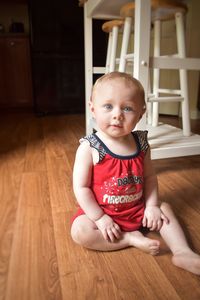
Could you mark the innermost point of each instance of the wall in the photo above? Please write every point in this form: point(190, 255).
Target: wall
point(14, 13)
point(193, 50)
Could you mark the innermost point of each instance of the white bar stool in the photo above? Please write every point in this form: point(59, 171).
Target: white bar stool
point(161, 10)
point(127, 12)
point(112, 28)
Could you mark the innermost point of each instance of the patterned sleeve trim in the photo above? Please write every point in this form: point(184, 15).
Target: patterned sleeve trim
point(143, 140)
point(94, 143)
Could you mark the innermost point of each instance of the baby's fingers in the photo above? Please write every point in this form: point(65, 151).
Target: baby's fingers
point(153, 226)
point(114, 232)
point(111, 235)
point(144, 222)
point(159, 225)
point(105, 234)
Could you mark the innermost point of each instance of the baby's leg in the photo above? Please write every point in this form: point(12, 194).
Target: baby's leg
point(85, 233)
point(174, 236)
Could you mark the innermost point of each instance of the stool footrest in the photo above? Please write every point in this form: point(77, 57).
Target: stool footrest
point(130, 55)
point(166, 99)
point(99, 70)
point(170, 91)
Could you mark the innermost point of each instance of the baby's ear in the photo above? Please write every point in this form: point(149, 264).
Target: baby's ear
point(143, 111)
point(91, 105)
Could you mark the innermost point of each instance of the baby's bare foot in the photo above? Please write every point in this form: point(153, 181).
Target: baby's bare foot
point(143, 243)
point(188, 261)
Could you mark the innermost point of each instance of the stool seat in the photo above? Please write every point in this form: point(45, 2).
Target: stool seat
point(108, 26)
point(127, 10)
point(166, 9)
point(161, 9)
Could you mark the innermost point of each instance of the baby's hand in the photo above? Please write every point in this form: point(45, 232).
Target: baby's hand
point(153, 218)
point(108, 228)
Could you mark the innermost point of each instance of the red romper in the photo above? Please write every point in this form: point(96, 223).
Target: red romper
point(118, 182)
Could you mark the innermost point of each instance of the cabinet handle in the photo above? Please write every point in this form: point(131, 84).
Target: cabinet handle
point(12, 44)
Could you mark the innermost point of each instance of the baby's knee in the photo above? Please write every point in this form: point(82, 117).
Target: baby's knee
point(165, 207)
point(167, 210)
point(79, 234)
point(76, 233)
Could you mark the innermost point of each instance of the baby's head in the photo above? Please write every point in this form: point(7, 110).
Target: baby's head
point(123, 79)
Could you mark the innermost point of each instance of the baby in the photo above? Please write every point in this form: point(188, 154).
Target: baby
point(114, 180)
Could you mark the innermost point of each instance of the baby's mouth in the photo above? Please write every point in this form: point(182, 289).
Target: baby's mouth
point(117, 125)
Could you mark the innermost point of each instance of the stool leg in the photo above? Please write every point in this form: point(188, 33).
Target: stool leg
point(125, 42)
point(115, 31)
point(156, 72)
point(108, 52)
point(183, 75)
point(149, 104)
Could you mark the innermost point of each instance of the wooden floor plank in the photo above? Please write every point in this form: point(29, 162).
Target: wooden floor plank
point(60, 182)
point(35, 150)
point(67, 260)
point(33, 272)
point(13, 142)
point(9, 193)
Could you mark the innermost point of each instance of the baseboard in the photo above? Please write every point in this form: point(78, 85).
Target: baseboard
point(195, 114)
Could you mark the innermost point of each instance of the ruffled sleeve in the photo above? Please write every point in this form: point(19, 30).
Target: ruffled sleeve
point(143, 140)
point(94, 143)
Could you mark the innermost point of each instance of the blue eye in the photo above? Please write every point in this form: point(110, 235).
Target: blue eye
point(127, 109)
point(108, 106)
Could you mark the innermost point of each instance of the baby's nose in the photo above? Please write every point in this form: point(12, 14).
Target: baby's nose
point(117, 113)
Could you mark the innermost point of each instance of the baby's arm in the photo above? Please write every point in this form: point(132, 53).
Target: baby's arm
point(82, 174)
point(153, 216)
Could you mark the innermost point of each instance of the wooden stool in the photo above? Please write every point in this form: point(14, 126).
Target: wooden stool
point(81, 2)
point(112, 28)
point(161, 10)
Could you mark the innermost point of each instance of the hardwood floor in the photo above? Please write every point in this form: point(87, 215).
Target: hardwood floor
point(38, 259)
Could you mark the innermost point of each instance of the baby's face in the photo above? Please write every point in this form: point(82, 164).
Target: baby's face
point(117, 107)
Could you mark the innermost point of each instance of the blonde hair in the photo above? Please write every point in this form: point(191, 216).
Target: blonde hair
point(128, 80)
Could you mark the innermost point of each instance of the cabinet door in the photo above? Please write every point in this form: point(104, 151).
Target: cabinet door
point(3, 70)
point(18, 75)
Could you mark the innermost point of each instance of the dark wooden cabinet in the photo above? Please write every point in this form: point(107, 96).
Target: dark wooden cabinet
point(15, 72)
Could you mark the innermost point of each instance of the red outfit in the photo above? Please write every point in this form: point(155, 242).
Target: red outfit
point(118, 182)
